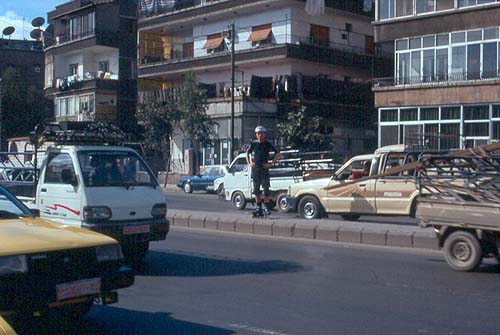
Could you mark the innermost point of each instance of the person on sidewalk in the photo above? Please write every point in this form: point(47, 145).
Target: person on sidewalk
point(260, 168)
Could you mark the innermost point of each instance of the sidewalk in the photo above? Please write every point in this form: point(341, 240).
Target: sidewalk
point(392, 235)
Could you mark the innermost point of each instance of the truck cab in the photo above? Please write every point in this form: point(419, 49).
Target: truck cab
point(351, 193)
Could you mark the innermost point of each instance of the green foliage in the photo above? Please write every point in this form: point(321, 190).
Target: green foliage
point(193, 106)
point(303, 132)
point(23, 104)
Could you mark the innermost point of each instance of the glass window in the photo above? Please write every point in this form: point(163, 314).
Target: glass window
point(428, 66)
point(490, 34)
point(425, 6)
point(408, 114)
point(450, 136)
point(496, 111)
point(388, 135)
point(458, 63)
point(415, 66)
point(445, 4)
point(474, 35)
point(57, 163)
point(429, 113)
point(442, 64)
point(443, 39)
point(415, 43)
point(450, 113)
point(389, 115)
point(465, 3)
point(489, 60)
point(404, 7)
point(386, 9)
point(403, 68)
point(477, 129)
point(458, 37)
point(431, 136)
point(473, 62)
point(477, 112)
point(429, 41)
point(496, 131)
point(402, 44)
point(480, 2)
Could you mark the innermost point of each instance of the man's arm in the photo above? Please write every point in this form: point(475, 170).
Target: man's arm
point(249, 157)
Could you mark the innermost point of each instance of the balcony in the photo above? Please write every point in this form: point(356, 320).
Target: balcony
point(70, 42)
point(90, 81)
point(436, 79)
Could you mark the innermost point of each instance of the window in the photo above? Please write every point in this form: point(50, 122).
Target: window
point(261, 35)
point(477, 112)
point(442, 64)
point(369, 45)
point(489, 60)
point(473, 61)
point(402, 44)
point(450, 136)
point(450, 113)
point(388, 135)
point(403, 68)
point(215, 43)
point(443, 39)
point(409, 114)
point(348, 27)
point(415, 67)
point(458, 63)
point(476, 129)
point(429, 113)
point(429, 41)
point(389, 115)
point(73, 69)
point(496, 131)
point(425, 6)
point(386, 9)
point(428, 66)
point(320, 35)
point(404, 7)
point(103, 66)
point(188, 50)
point(58, 165)
point(496, 111)
point(445, 4)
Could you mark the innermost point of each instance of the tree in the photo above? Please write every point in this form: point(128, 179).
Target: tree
point(159, 119)
point(195, 121)
point(303, 132)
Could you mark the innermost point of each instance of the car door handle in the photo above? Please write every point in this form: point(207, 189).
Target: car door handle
point(43, 190)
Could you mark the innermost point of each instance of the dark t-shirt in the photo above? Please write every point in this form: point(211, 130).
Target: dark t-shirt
point(261, 152)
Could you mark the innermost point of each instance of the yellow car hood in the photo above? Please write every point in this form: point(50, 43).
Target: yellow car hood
point(32, 235)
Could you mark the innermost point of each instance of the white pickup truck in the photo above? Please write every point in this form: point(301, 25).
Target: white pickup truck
point(104, 188)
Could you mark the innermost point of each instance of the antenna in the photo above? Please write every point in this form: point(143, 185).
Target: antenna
point(8, 31)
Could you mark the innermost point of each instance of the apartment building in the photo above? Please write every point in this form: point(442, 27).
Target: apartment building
point(284, 58)
point(90, 61)
point(445, 88)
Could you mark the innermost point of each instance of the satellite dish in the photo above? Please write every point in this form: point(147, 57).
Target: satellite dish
point(8, 31)
point(36, 34)
point(38, 22)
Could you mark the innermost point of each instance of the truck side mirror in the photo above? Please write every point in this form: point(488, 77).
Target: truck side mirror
point(68, 177)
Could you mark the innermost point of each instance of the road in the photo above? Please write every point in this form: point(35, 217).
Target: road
point(208, 283)
point(209, 202)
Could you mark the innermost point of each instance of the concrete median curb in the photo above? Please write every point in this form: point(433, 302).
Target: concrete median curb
point(368, 233)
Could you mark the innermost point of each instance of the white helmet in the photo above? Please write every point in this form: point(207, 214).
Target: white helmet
point(260, 129)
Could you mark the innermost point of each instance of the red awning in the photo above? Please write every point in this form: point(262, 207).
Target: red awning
point(260, 33)
point(214, 41)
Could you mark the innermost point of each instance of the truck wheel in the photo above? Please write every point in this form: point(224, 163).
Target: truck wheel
point(351, 217)
point(187, 188)
point(135, 253)
point(462, 251)
point(310, 208)
point(238, 200)
point(283, 205)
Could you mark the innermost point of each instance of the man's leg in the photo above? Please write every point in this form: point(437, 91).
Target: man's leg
point(265, 185)
point(256, 192)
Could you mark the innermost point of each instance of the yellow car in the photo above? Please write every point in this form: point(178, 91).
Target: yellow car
point(5, 328)
point(46, 265)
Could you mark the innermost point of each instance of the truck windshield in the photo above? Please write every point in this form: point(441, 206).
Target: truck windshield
point(114, 168)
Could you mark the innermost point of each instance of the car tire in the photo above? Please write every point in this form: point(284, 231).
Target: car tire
point(350, 217)
point(220, 191)
point(310, 208)
point(187, 188)
point(282, 203)
point(135, 253)
point(462, 251)
point(238, 200)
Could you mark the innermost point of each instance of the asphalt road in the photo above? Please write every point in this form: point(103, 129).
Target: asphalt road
point(209, 283)
point(209, 202)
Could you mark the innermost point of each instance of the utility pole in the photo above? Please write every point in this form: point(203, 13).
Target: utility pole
point(233, 39)
point(1, 115)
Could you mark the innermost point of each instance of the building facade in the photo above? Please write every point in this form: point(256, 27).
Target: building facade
point(445, 91)
point(90, 61)
point(284, 58)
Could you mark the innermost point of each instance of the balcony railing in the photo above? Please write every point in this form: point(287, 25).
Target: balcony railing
point(435, 79)
point(177, 53)
point(76, 81)
point(148, 8)
point(64, 38)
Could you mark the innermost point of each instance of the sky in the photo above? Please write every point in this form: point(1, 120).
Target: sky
point(13, 11)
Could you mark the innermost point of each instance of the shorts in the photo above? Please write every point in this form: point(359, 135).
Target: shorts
point(260, 178)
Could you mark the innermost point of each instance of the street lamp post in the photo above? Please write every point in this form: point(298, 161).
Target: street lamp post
point(233, 38)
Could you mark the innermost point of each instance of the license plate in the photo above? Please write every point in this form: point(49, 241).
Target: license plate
point(131, 230)
point(78, 288)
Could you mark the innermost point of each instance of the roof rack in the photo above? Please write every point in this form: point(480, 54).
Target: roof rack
point(88, 133)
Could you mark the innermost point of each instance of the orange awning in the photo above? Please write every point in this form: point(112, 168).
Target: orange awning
point(213, 41)
point(260, 33)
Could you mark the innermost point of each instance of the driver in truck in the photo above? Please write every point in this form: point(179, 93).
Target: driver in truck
point(260, 169)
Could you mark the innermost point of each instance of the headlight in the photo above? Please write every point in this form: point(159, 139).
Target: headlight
point(13, 264)
point(159, 210)
point(111, 252)
point(96, 213)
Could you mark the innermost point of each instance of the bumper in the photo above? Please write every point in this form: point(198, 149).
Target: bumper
point(292, 203)
point(136, 231)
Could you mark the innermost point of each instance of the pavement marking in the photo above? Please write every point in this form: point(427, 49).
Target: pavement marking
point(256, 329)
